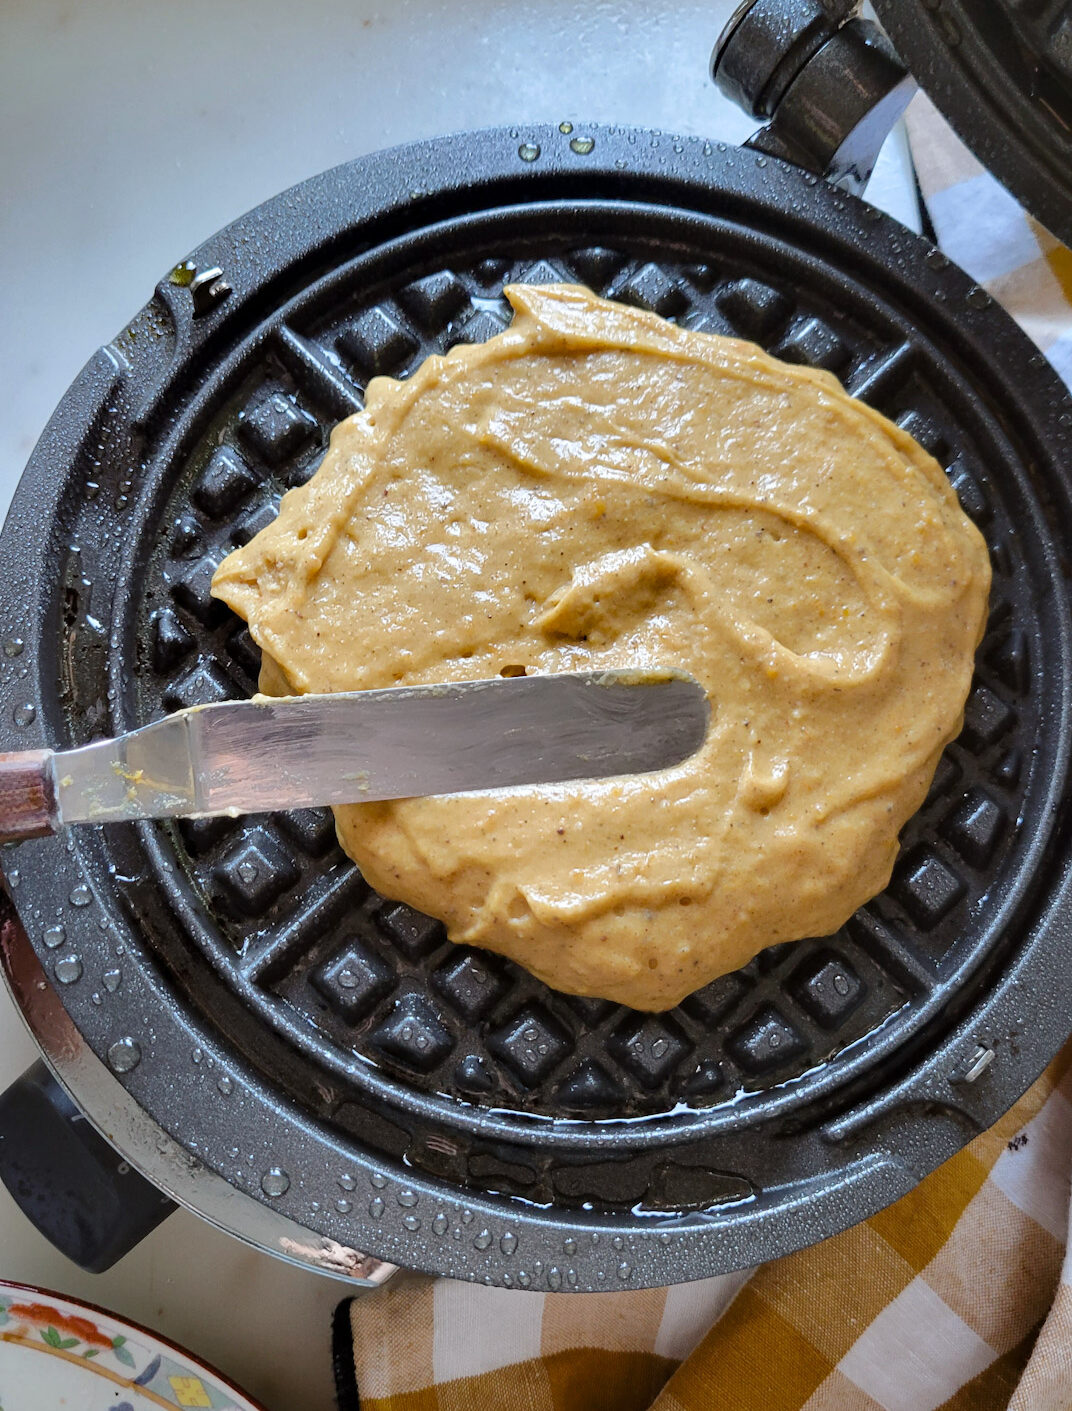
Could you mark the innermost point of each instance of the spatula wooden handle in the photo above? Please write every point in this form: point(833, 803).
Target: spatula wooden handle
point(27, 797)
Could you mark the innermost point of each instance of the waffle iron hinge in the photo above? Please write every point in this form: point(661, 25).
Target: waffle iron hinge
point(829, 83)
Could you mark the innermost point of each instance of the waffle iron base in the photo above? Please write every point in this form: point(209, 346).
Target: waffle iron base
point(328, 1052)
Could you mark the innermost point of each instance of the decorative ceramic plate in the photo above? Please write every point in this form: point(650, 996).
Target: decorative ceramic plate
point(59, 1355)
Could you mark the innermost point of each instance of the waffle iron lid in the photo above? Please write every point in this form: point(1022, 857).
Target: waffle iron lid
point(1001, 72)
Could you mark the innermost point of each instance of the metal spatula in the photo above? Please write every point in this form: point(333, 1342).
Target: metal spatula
point(256, 756)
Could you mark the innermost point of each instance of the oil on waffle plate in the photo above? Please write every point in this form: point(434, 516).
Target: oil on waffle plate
point(55, 1352)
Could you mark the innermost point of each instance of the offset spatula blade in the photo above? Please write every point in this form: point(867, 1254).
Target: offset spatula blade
point(266, 754)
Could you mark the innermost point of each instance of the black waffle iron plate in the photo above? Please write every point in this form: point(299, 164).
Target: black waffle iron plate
point(328, 1053)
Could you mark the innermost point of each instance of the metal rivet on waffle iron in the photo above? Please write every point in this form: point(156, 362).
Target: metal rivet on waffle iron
point(208, 289)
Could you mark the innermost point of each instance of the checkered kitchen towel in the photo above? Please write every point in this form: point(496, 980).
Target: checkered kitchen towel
point(959, 1296)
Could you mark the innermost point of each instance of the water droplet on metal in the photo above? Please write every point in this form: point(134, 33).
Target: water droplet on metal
point(225, 1085)
point(68, 969)
point(54, 937)
point(571, 1277)
point(482, 1240)
point(467, 1216)
point(314, 1206)
point(377, 1180)
point(978, 298)
point(411, 1222)
point(508, 1242)
point(343, 1207)
point(96, 998)
point(841, 984)
point(346, 979)
point(407, 1198)
point(13, 878)
point(81, 895)
point(529, 151)
point(565, 127)
point(523, 1279)
point(124, 1055)
point(248, 872)
point(197, 1055)
point(13, 647)
point(376, 1207)
point(624, 1270)
point(936, 259)
point(618, 1242)
point(569, 1246)
point(582, 145)
point(554, 1277)
point(275, 1181)
point(347, 1181)
point(112, 979)
point(440, 1224)
point(24, 714)
point(659, 1047)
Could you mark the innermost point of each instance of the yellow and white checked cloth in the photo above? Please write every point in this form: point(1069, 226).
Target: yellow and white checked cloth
point(959, 1296)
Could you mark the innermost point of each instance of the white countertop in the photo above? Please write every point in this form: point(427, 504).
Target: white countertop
point(129, 133)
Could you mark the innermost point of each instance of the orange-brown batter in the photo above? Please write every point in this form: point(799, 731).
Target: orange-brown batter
point(596, 487)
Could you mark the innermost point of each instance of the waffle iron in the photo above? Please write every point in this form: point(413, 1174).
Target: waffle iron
point(255, 1033)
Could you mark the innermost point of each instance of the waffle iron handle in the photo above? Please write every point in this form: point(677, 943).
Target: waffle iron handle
point(830, 84)
point(27, 795)
point(78, 1191)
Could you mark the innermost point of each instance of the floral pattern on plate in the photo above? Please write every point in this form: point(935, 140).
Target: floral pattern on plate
point(56, 1352)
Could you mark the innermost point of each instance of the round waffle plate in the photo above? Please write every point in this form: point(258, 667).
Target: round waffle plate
point(328, 1051)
